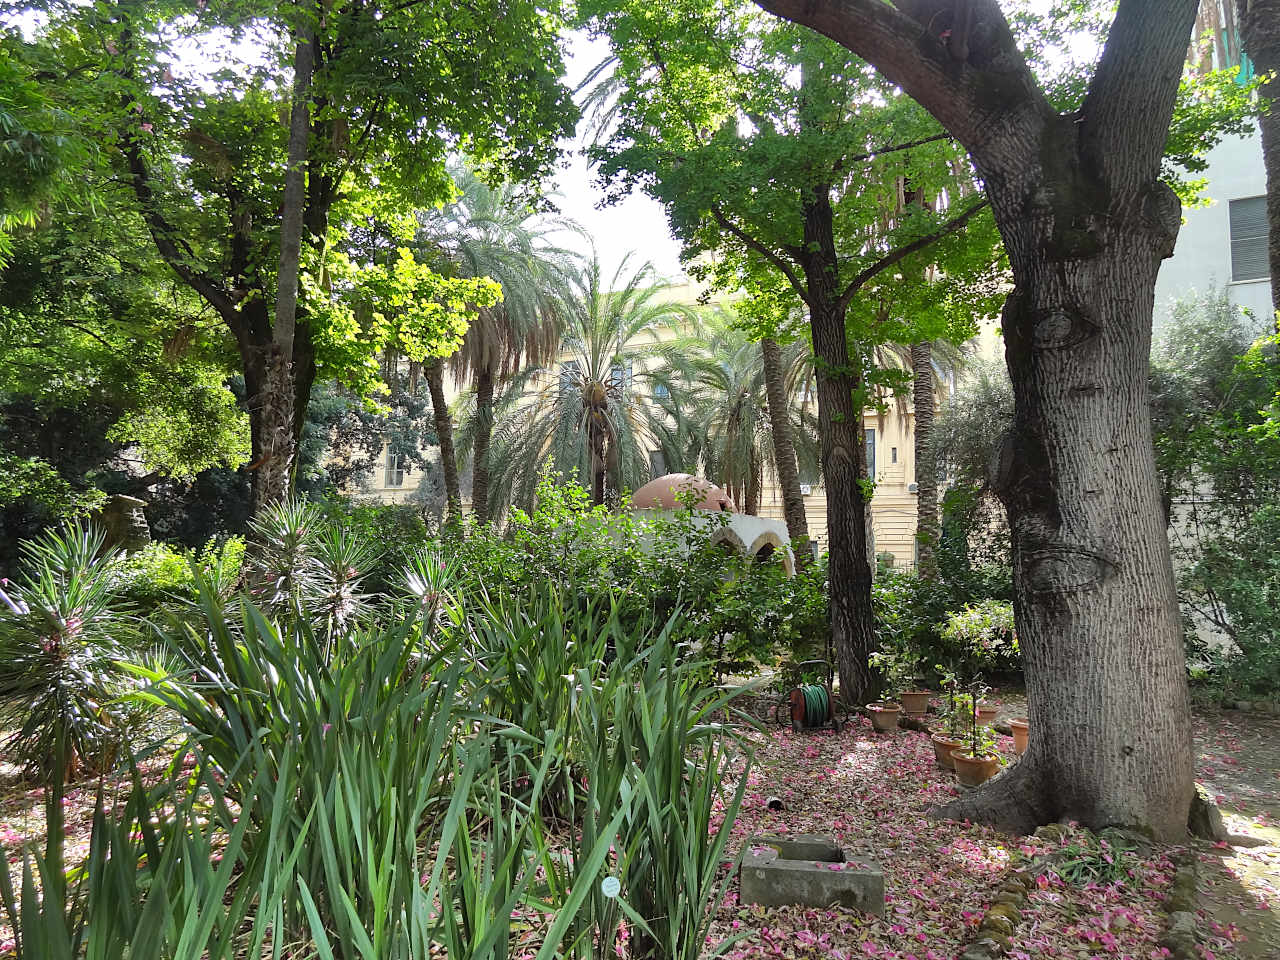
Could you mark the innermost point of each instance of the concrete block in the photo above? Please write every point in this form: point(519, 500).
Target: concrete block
point(811, 871)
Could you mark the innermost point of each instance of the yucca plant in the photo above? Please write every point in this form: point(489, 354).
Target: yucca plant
point(60, 641)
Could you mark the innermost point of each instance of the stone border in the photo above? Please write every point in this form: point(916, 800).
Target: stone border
point(1179, 936)
point(1000, 921)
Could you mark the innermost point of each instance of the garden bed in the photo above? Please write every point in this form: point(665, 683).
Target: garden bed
point(872, 791)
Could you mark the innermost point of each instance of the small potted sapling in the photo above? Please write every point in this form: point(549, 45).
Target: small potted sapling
point(955, 721)
point(894, 669)
point(977, 759)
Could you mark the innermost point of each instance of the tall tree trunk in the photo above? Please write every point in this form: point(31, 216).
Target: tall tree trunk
point(1086, 223)
point(784, 452)
point(1260, 36)
point(444, 437)
point(273, 476)
point(844, 459)
point(752, 495)
point(480, 461)
point(927, 529)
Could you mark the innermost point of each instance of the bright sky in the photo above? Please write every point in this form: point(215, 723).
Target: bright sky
point(636, 225)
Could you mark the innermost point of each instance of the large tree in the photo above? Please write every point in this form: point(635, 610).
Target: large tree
point(585, 417)
point(247, 178)
point(494, 231)
point(783, 157)
point(1086, 221)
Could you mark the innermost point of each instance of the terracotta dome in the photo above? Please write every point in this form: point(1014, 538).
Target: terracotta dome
point(660, 494)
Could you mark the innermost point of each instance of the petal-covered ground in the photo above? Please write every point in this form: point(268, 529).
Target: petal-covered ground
point(872, 791)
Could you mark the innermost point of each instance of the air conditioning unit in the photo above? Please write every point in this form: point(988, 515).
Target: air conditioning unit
point(912, 487)
point(805, 489)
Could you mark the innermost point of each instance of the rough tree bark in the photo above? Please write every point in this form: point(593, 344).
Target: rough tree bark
point(784, 452)
point(480, 458)
point(273, 468)
point(843, 457)
point(1260, 36)
point(927, 529)
point(1086, 223)
point(444, 438)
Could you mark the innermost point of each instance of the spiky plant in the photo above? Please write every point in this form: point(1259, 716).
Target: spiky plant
point(60, 642)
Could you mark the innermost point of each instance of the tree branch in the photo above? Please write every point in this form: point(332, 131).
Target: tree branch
point(787, 271)
point(974, 97)
point(901, 253)
point(1126, 112)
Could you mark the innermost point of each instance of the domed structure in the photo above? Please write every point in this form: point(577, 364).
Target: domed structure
point(660, 494)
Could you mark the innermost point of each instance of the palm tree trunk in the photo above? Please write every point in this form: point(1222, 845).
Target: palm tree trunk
point(484, 429)
point(784, 452)
point(926, 462)
point(752, 507)
point(444, 437)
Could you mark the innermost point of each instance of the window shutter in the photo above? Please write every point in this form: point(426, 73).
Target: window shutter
point(1249, 239)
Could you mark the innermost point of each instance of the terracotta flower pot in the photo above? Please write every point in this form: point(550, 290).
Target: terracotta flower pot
point(987, 712)
point(943, 744)
point(915, 703)
point(971, 770)
point(1019, 734)
point(884, 716)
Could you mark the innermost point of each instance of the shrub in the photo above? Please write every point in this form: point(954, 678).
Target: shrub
point(60, 643)
point(982, 636)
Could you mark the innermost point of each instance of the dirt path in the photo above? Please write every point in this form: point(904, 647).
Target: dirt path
point(1238, 760)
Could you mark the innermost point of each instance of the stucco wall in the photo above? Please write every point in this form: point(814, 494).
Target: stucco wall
point(1201, 260)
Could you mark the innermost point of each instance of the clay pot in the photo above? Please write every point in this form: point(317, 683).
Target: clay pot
point(987, 712)
point(915, 703)
point(884, 716)
point(971, 771)
point(1019, 727)
point(942, 747)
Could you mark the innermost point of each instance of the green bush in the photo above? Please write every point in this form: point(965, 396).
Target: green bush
point(912, 612)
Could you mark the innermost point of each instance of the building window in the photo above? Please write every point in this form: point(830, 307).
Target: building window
point(1249, 239)
point(657, 464)
point(871, 453)
point(893, 454)
point(395, 469)
point(660, 391)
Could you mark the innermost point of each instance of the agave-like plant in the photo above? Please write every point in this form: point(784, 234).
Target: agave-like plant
point(61, 637)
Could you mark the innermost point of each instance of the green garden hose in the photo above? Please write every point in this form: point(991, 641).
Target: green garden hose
point(817, 704)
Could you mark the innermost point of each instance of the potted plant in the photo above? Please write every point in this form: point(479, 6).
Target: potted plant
point(884, 715)
point(987, 712)
point(914, 699)
point(976, 761)
point(955, 711)
point(1019, 726)
point(897, 667)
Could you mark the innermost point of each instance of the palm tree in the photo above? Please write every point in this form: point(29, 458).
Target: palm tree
point(724, 380)
point(494, 232)
point(589, 417)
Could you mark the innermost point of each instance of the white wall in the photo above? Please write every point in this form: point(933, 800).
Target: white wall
point(1201, 260)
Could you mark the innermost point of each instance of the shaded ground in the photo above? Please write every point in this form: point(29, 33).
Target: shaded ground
point(872, 791)
point(1238, 760)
